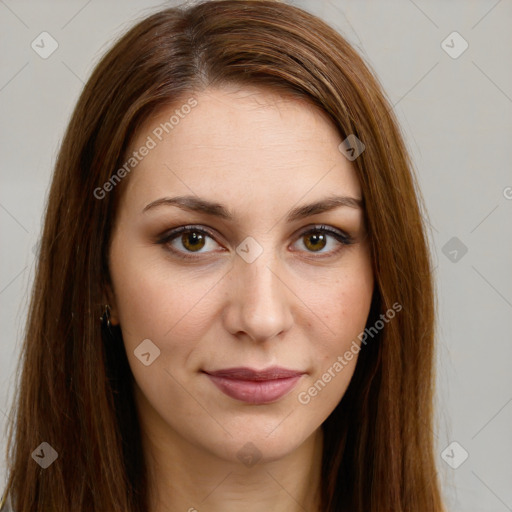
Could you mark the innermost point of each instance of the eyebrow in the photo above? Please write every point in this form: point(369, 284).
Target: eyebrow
point(197, 204)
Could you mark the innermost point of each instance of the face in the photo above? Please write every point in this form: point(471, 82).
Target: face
point(237, 301)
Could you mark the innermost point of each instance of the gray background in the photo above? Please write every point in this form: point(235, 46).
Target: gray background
point(456, 116)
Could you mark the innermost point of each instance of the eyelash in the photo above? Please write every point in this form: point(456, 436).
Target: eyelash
point(340, 237)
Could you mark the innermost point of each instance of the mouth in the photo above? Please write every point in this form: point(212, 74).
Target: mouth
point(255, 386)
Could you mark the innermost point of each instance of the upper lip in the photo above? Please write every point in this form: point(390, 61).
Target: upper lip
point(245, 373)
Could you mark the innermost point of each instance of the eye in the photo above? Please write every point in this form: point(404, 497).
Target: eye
point(194, 239)
point(191, 238)
point(319, 237)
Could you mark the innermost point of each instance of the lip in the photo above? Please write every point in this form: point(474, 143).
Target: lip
point(255, 386)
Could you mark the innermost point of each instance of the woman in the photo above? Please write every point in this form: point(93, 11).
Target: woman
point(233, 301)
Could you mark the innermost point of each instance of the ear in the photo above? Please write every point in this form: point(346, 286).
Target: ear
point(110, 299)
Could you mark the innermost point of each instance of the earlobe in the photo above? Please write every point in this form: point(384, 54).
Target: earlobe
point(114, 319)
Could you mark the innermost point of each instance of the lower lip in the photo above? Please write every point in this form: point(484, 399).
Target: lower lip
point(255, 392)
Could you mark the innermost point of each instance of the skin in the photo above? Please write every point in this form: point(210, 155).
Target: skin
point(299, 305)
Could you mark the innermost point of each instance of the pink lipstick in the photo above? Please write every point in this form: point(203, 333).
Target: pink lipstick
point(255, 386)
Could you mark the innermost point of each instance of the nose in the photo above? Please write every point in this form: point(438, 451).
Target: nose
point(260, 304)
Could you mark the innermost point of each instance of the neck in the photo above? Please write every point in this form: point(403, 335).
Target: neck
point(185, 477)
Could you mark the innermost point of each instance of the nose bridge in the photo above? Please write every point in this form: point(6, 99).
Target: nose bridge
point(260, 302)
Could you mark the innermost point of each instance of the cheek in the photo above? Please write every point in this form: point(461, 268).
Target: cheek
point(345, 306)
point(152, 301)
point(349, 311)
point(167, 308)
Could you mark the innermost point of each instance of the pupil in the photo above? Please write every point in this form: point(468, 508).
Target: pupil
point(315, 240)
point(193, 240)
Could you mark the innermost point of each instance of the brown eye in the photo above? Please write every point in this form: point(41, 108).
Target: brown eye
point(322, 237)
point(189, 242)
point(193, 240)
point(315, 241)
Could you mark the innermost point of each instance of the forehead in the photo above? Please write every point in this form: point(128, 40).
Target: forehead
point(241, 142)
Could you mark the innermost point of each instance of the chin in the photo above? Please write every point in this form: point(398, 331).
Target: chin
point(256, 447)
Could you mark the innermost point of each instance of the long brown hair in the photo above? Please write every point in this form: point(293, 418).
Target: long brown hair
point(75, 385)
